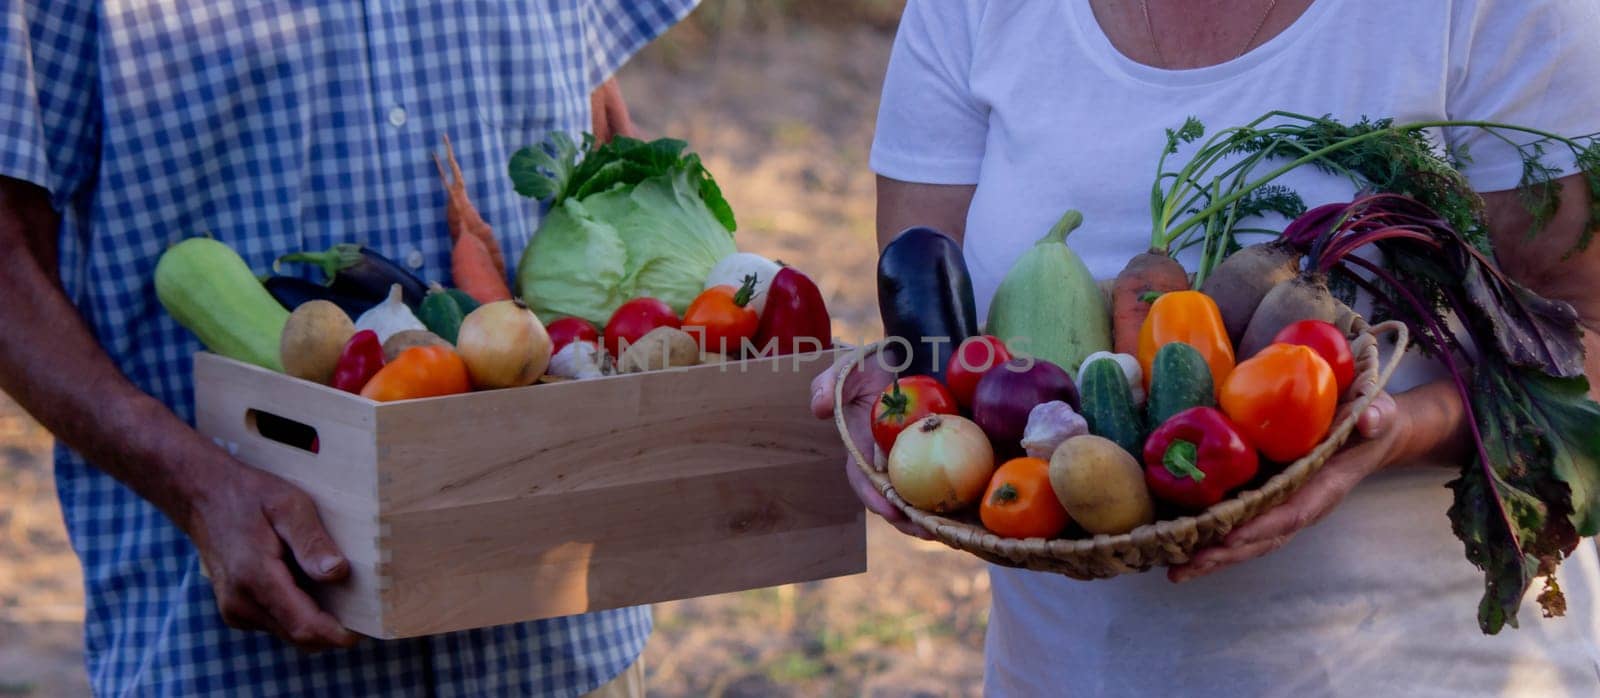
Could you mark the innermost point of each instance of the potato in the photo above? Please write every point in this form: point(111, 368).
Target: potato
point(406, 339)
point(312, 340)
point(1100, 485)
point(662, 347)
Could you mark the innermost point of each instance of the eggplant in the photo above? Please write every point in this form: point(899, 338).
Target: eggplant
point(291, 291)
point(1007, 394)
point(359, 272)
point(925, 298)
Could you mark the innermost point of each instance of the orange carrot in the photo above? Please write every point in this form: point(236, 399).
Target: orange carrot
point(461, 214)
point(474, 271)
point(1148, 272)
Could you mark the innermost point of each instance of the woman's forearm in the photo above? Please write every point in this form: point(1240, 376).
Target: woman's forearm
point(1437, 430)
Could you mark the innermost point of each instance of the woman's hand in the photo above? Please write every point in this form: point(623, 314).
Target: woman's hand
point(1382, 432)
point(861, 390)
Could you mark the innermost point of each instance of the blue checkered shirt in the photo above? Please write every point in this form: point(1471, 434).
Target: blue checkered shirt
point(280, 126)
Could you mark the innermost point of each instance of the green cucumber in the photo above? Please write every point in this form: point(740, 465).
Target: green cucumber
point(1108, 405)
point(1179, 380)
point(463, 301)
point(208, 289)
point(441, 313)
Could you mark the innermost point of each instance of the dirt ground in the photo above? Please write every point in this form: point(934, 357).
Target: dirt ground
point(782, 112)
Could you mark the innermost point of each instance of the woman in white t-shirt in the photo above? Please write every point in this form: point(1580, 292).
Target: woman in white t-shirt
point(998, 116)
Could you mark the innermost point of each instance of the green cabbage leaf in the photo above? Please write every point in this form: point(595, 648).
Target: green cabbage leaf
point(630, 218)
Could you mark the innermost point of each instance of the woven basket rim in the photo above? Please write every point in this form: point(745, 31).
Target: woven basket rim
point(1167, 541)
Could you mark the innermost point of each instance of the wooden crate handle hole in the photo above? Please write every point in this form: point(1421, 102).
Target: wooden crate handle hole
point(282, 430)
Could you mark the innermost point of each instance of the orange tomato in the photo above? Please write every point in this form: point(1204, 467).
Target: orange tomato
point(723, 318)
point(419, 372)
point(1190, 317)
point(1020, 503)
point(1282, 400)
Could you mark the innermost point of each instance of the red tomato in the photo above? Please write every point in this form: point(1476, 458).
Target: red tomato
point(568, 330)
point(969, 362)
point(720, 319)
point(1328, 342)
point(904, 402)
point(634, 319)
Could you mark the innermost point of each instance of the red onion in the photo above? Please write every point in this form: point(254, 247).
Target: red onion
point(1008, 392)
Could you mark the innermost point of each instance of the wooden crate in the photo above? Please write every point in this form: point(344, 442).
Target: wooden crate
point(509, 505)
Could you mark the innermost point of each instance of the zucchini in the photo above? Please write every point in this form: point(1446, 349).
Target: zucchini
point(1108, 405)
point(209, 290)
point(1179, 380)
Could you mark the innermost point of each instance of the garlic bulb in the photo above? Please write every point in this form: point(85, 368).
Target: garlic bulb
point(389, 317)
point(1049, 424)
point(577, 360)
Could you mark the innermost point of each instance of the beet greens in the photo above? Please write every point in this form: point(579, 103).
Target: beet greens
point(1533, 486)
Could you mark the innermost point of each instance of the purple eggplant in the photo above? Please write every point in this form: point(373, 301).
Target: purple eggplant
point(1008, 392)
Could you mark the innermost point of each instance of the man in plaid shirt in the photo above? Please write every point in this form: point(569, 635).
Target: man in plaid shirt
point(275, 127)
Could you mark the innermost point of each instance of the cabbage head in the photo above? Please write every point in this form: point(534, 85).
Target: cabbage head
point(630, 219)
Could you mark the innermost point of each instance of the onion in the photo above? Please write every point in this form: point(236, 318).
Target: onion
point(503, 345)
point(941, 464)
point(1009, 392)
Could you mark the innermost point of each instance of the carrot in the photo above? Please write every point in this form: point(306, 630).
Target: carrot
point(461, 214)
point(474, 271)
point(1149, 272)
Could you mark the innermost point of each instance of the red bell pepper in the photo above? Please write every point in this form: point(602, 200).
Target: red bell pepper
point(360, 360)
point(794, 315)
point(1196, 457)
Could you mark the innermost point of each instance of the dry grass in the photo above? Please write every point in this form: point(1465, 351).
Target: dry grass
point(779, 97)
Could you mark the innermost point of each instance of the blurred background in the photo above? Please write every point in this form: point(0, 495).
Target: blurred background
point(779, 98)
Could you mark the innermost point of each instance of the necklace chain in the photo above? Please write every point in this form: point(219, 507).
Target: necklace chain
point(1156, 43)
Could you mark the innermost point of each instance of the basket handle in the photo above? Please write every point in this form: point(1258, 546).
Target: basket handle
point(1402, 338)
point(849, 361)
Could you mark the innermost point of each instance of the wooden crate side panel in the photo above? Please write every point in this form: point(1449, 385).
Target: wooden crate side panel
point(559, 554)
point(634, 518)
point(577, 578)
point(341, 477)
point(599, 433)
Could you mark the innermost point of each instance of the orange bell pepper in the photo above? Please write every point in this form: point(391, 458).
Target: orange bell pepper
point(1190, 317)
point(419, 372)
point(1282, 400)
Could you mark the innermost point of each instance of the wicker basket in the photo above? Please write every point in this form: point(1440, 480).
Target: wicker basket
point(1163, 543)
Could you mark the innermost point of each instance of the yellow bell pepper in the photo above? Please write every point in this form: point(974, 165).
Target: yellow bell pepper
point(1190, 317)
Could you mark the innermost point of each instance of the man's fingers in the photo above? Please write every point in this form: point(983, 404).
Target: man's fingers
point(617, 110)
point(600, 119)
point(297, 616)
point(241, 612)
point(609, 113)
point(294, 518)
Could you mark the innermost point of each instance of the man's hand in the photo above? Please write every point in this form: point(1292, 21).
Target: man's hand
point(240, 518)
point(610, 113)
point(249, 527)
point(861, 391)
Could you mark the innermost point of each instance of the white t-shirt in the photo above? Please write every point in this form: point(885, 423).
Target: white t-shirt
point(1030, 101)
